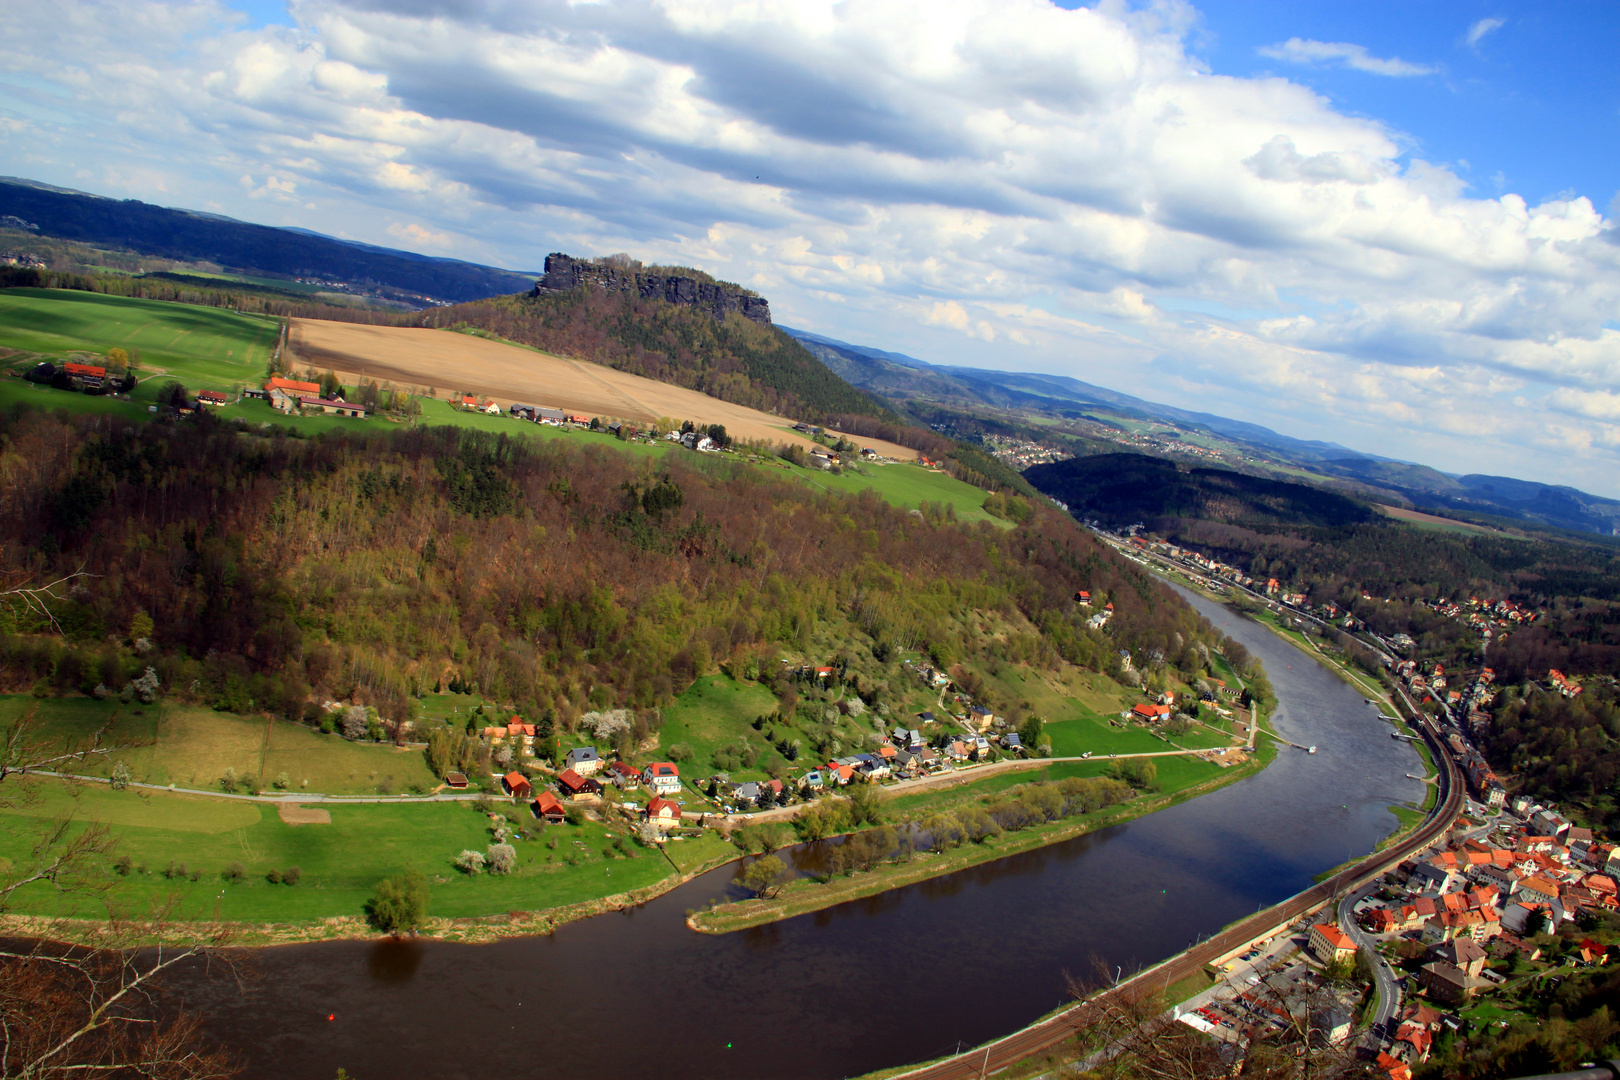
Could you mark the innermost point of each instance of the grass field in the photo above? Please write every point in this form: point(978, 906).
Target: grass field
point(716, 710)
point(193, 747)
point(206, 348)
point(340, 863)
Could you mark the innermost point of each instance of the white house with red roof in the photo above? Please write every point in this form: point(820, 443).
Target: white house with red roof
point(662, 777)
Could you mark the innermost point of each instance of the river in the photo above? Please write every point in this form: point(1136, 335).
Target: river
point(905, 976)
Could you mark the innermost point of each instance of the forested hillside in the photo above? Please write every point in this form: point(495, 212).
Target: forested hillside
point(254, 571)
point(1125, 488)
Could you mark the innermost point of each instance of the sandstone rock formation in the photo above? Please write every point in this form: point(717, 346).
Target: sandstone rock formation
point(564, 272)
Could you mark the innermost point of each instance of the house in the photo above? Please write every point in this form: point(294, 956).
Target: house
point(87, 374)
point(1012, 742)
point(746, 794)
point(520, 733)
point(1465, 954)
point(624, 775)
point(292, 387)
point(663, 777)
point(1393, 1068)
point(1329, 944)
point(517, 785)
point(211, 397)
point(982, 716)
point(1083, 598)
point(548, 808)
point(337, 407)
point(1446, 983)
point(1535, 890)
point(1150, 713)
point(663, 813)
point(812, 780)
point(575, 786)
point(584, 760)
point(455, 780)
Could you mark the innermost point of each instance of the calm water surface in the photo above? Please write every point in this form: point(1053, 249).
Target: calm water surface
point(897, 978)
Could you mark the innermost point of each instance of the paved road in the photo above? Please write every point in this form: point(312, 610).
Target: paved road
point(1047, 1034)
point(290, 797)
point(1385, 982)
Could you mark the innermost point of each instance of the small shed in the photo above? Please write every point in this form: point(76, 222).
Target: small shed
point(455, 780)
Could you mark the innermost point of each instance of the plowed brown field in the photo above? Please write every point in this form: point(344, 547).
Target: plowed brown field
point(444, 362)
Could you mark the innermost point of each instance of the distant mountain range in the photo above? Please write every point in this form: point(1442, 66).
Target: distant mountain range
point(243, 247)
point(898, 378)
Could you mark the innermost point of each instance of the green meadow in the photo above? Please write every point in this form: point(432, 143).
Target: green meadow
point(340, 863)
point(193, 747)
point(206, 348)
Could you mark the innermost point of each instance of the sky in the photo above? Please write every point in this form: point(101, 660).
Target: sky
point(1389, 225)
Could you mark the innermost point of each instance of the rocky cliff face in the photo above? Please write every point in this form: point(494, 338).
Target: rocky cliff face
point(563, 272)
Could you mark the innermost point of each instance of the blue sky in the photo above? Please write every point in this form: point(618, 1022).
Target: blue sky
point(1390, 225)
point(1533, 106)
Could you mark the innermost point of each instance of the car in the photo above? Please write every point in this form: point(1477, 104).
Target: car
point(1086, 754)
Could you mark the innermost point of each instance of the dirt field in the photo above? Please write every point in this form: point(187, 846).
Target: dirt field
point(445, 362)
point(303, 815)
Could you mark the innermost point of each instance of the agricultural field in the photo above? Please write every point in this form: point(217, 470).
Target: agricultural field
point(447, 361)
point(206, 348)
point(340, 863)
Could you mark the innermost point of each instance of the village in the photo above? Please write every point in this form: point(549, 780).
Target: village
point(676, 806)
point(1457, 938)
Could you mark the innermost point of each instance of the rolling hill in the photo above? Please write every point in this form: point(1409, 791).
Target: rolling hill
point(291, 253)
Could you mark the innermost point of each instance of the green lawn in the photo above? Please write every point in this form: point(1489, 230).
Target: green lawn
point(904, 485)
point(207, 348)
point(192, 747)
point(340, 862)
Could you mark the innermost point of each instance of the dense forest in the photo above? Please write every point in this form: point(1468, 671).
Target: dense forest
point(1122, 489)
point(260, 571)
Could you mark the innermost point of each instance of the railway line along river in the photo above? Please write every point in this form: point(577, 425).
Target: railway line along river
point(900, 977)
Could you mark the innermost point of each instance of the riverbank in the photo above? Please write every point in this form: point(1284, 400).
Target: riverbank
point(805, 895)
point(470, 930)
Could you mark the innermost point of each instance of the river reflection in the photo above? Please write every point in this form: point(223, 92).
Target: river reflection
point(894, 978)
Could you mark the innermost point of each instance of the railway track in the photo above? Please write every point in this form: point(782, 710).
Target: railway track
point(985, 1060)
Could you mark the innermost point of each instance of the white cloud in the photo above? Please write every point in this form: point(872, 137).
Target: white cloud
point(418, 236)
point(1476, 32)
point(1306, 51)
point(994, 171)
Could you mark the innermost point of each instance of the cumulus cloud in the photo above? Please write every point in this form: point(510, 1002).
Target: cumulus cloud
point(1071, 186)
point(1356, 57)
point(1476, 32)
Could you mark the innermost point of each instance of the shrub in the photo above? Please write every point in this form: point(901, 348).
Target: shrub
point(174, 870)
point(123, 864)
point(234, 871)
point(273, 877)
point(470, 862)
point(502, 858)
point(291, 875)
point(399, 905)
